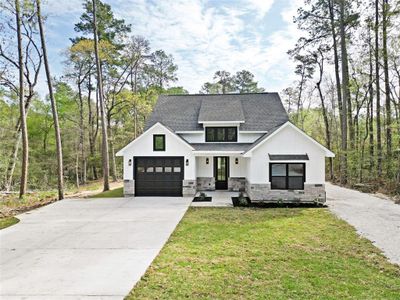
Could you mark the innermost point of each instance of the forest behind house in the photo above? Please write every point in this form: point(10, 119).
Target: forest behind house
point(346, 96)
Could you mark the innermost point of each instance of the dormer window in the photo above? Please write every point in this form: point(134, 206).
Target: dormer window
point(221, 134)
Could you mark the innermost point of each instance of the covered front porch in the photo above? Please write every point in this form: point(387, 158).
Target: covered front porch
point(222, 171)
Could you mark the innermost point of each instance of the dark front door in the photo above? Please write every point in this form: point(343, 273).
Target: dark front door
point(158, 176)
point(221, 169)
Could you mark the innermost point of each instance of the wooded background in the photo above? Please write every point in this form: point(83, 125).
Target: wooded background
point(347, 95)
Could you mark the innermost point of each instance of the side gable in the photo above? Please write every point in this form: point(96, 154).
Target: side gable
point(277, 130)
point(148, 131)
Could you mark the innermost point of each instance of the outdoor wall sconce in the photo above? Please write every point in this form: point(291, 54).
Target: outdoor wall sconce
point(187, 162)
point(207, 161)
point(236, 161)
point(130, 162)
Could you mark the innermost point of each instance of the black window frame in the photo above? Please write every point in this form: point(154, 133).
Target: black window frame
point(155, 136)
point(287, 176)
point(214, 134)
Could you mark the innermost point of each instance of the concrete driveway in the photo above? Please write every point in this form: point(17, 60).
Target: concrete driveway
point(374, 218)
point(85, 248)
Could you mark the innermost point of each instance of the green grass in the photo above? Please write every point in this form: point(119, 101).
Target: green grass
point(6, 222)
point(280, 253)
point(11, 204)
point(118, 192)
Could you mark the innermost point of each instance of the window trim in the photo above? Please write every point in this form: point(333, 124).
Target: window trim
point(225, 128)
point(155, 136)
point(287, 175)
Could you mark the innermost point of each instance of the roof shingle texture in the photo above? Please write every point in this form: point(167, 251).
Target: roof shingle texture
point(259, 111)
point(221, 146)
point(221, 109)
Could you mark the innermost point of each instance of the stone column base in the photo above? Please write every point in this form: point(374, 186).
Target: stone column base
point(237, 184)
point(188, 188)
point(129, 188)
point(205, 183)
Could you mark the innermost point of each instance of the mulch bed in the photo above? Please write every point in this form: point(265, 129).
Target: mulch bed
point(236, 203)
point(202, 199)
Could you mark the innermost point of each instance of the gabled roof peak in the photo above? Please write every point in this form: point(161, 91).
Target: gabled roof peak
point(255, 111)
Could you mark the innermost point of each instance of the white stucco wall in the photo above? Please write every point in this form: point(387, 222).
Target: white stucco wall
point(238, 170)
point(249, 137)
point(243, 137)
point(287, 141)
point(204, 170)
point(174, 146)
point(235, 170)
point(193, 137)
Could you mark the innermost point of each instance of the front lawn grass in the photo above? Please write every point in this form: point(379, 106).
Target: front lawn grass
point(11, 205)
point(115, 193)
point(6, 222)
point(279, 253)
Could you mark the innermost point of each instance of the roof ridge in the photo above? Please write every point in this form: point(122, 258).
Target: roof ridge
point(228, 94)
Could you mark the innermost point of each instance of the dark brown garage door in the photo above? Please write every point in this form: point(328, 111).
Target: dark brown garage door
point(158, 176)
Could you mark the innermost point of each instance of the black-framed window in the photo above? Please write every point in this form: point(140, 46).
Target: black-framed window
point(287, 176)
point(221, 134)
point(159, 142)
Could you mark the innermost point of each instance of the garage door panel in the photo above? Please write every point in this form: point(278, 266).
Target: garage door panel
point(158, 176)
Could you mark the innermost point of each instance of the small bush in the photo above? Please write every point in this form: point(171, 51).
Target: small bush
point(242, 200)
point(202, 196)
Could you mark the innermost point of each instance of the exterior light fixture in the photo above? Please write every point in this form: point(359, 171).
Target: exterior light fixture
point(236, 160)
point(130, 162)
point(187, 162)
point(207, 161)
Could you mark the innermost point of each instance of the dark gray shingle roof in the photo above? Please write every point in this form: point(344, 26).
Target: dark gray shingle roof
point(261, 111)
point(288, 156)
point(221, 146)
point(211, 109)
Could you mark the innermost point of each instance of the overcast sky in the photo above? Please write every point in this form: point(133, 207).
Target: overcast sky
point(203, 36)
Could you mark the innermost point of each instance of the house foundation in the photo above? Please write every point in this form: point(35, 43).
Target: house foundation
point(129, 188)
point(312, 193)
point(205, 183)
point(236, 184)
point(188, 188)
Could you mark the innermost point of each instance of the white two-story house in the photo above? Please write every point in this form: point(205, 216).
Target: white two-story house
point(235, 142)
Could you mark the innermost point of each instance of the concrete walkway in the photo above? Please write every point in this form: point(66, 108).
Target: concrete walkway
point(85, 248)
point(374, 218)
point(219, 199)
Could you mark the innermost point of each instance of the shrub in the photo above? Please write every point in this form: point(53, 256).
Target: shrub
point(202, 196)
point(242, 200)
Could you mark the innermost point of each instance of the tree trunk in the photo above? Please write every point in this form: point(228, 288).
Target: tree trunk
point(105, 157)
point(60, 175)
point(325, 115)
point(378, 96)
point(112, 150)
point(385, 7)
point(81, 134)
point(346, 92)
point(13, 162)
point(92, 142)
point(24, 129)
point(77, 167)
point(371, 108)
point(337, 76)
